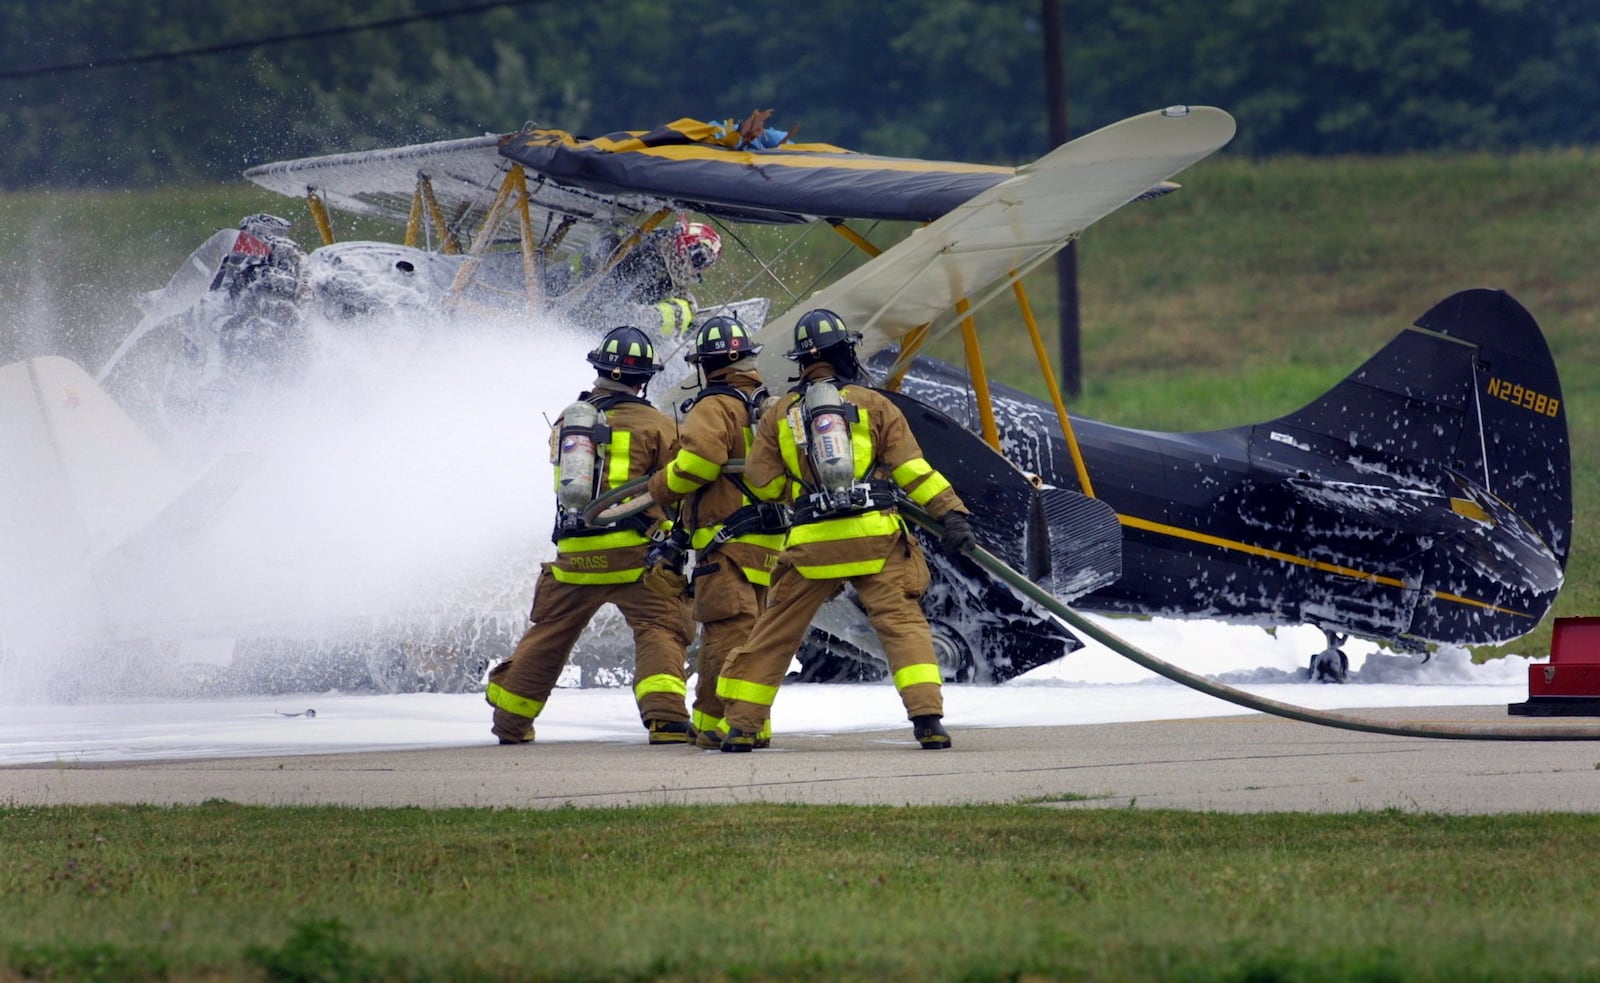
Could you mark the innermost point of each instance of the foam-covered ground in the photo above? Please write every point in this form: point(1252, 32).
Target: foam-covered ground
point(1091, 686)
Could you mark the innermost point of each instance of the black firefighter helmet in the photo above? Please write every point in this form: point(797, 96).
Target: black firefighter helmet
point(818, 331)
point(626, 355)
point(820, 336)
point(721, 340)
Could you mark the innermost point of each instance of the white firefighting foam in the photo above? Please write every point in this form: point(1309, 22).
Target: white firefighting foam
point(402, 480)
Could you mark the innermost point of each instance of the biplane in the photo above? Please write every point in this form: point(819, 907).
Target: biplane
point(1426, 499)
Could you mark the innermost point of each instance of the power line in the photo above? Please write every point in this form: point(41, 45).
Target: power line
point(217, 49)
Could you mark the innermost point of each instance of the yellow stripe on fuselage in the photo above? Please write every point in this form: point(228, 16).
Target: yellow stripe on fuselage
point(1231, 544)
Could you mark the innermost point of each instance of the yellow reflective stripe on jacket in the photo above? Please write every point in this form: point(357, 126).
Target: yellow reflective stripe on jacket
point(788, 450)
point(760, 576)
point(702, 537)
point(659, 683)
point(689, 472)
point(510, 702)
point(676, 315)
point(621, 539)
point(772, 490)
point(921, 672)
point(861, 526)
point(618, 471)
point(861, 443)
point(919, 480)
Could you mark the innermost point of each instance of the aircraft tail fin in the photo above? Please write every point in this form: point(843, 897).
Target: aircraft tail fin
point(1465, 408)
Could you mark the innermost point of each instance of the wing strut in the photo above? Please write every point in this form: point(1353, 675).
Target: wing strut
point(625, 247)
point(319, 215)
point(915, 336)
point(487, 231)
point(980, 378)
point(531, 278)
point(424, 198)
point(856, 239)
point(1050, 382)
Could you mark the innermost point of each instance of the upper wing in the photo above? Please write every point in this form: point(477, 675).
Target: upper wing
point(464, 176)
point(1013, 225)
point(692, 165)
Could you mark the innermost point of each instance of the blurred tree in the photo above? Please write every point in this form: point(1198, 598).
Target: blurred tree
point(937, 78)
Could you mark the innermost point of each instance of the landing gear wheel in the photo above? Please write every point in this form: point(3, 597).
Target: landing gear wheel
point(953, 653)
point(1330, 665)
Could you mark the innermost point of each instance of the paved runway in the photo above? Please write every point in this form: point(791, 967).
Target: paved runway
point(1247, 763)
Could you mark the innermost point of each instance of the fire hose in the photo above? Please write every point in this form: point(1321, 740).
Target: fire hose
point(1458, 731)
point(606, 509)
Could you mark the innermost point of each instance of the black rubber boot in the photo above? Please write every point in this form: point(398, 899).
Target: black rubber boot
point(670, 731)
point(930, 733)
point(738, 740)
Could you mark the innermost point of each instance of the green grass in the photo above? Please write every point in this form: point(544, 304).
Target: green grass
point(1237, 299)
point(220, 891)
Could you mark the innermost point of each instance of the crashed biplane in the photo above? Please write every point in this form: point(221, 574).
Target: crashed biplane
point(1425, 499)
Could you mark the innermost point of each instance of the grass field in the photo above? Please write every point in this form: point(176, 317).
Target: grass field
point(758, 893)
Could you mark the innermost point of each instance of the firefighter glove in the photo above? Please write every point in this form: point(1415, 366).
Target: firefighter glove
point(670, 552)
point(958, 536)
point(663, 580)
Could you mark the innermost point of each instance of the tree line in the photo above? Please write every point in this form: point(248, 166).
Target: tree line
point(957, 79)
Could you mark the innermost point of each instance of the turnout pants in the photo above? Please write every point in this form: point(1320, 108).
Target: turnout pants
point(662, 630)
point(891, 598)
point(726, 605)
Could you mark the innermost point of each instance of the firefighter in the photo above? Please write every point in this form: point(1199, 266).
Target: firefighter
point(839, 452)
point(652, 281)
point(610, 436)
point(735, 538)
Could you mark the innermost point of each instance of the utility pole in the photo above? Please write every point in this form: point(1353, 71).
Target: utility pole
point(1055, 81)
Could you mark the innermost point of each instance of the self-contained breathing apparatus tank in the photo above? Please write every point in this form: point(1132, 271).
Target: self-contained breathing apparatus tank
point(826, 420)
point(576, 451)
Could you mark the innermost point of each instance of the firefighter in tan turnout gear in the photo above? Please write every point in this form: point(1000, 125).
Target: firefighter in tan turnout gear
point(609, 437)
point(839, 453)
point(736, 539)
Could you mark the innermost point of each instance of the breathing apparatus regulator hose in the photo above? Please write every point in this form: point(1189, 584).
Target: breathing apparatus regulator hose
point(630, 498)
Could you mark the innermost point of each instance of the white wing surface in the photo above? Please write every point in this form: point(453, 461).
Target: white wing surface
point(1014, 225)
